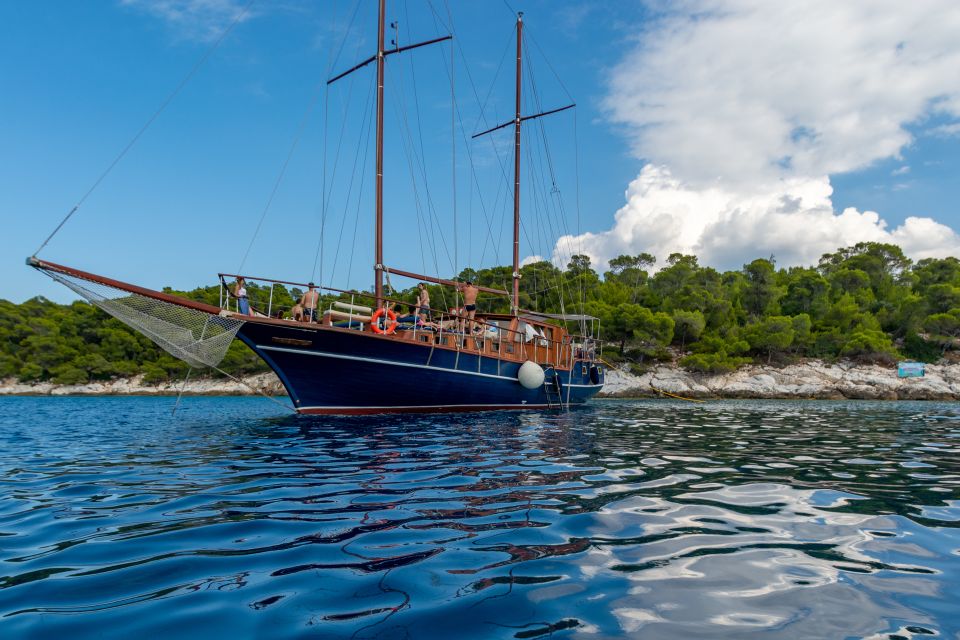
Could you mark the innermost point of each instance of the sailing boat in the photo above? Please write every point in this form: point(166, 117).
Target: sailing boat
point(357, 359)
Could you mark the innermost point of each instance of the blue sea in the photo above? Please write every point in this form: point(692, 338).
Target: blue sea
point(639, 519)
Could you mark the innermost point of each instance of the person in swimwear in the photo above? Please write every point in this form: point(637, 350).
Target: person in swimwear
point(309, 302)
point(423, 302)
point(469, 292)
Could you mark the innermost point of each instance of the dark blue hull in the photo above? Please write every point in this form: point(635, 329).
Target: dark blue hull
point(327, 370)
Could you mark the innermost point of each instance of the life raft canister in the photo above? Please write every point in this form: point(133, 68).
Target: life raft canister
point(375, 321)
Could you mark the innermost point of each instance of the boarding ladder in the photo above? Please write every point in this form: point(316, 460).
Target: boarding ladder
point(553, 390)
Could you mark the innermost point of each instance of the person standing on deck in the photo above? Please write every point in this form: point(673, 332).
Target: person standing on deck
point(309, 302)
point(469, 292)
point(423, 302)
point(240, 291)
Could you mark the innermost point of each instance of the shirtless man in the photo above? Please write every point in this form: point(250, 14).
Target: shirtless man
point(309, 302)
point(469, 291)
point(423, 302)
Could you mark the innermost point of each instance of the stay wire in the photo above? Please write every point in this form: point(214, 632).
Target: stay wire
point(453, 156)
point(415, 160)
point(283, 170)
point(255, 390)
point(473, 165)
point(325, 196)
point(468, 142)
point(550, 66)
point(183, 83)
point(331, 60)
point(421, 157)
point(560, 212)
point(366, 125)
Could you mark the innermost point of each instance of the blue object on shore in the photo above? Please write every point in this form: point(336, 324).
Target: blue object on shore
point(910, 369)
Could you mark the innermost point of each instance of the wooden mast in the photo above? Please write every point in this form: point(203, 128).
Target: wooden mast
point(378, 251)
point(515, 302)
point(380, 57)
point(518, 119)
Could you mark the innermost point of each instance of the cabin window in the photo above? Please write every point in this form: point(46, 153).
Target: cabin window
point(583, 370)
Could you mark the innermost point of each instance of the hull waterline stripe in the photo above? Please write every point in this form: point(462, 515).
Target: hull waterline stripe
point(340, 356)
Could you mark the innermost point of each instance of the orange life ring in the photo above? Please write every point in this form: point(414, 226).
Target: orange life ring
point(375, 324)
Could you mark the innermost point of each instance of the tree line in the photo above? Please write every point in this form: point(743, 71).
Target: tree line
point(867, 302)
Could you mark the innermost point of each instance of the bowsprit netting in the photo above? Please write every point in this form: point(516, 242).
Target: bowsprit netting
point(198, 338)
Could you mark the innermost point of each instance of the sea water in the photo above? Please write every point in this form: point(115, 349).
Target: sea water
point(621, 519)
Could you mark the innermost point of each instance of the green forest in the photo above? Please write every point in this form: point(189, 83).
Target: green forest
point(868, 302)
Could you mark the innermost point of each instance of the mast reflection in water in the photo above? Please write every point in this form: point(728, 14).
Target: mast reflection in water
point(652, 519)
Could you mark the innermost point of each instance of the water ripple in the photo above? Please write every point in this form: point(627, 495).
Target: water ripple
point(652, 519)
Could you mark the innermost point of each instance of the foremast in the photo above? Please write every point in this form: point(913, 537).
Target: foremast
point(515, 301)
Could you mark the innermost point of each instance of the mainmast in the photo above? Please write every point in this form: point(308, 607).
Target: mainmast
point(378, 251)
point(515, 301)
point(516, 122)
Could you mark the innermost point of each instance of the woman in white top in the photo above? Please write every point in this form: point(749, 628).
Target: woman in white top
point(240, 290)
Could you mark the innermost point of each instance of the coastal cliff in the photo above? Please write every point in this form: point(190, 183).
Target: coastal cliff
point(812, 379)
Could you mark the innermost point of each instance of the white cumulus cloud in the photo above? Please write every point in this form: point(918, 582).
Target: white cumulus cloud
point(742, 109)
point(793, 220)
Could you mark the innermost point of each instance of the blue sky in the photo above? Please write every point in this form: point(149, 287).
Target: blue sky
point(698, 131)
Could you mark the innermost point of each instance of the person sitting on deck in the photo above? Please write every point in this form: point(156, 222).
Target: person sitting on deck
point(478, 327)
point(411, 316)
point(296, 312)
point(427, 324)
point(309, 300)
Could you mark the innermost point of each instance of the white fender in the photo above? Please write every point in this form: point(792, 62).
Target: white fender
point(530, 375)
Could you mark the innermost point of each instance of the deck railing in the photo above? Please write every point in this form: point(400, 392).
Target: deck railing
point(493, 339)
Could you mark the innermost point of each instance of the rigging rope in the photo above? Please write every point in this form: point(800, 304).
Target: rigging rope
point(255, 390)
point(196, 67)
point(318, 252)
point(562, 214)
point(326, 197)
point(366, 122)
point(283, 171)
point(488, 213)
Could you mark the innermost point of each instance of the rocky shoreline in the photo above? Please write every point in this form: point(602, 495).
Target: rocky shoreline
point(808, 380)
point(814, 380)
point(266, 383)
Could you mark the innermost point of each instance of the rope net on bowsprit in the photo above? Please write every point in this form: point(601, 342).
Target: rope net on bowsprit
point(198, 338)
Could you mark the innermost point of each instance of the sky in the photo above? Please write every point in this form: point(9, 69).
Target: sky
point(731, 129)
